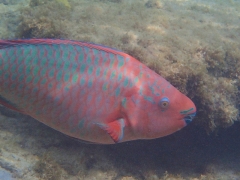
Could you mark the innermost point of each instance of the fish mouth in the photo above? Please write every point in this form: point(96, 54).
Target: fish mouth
point(188, 118)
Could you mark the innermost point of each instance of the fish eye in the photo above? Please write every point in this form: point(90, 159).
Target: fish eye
point(164, 102)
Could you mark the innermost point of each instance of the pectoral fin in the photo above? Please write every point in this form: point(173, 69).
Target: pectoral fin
point(115, 129)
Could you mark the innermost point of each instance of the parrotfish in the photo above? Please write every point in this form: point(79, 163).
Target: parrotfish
point(90, 92)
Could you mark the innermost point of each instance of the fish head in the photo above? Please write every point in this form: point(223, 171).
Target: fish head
point(169, 111)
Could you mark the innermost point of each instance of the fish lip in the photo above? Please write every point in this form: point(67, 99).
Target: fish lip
point(188, 118)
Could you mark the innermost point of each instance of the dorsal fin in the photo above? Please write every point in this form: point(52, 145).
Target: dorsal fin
point(18, 42)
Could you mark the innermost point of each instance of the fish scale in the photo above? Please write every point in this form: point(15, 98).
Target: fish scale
point(88, 91)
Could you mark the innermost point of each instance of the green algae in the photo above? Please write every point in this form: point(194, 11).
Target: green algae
point(65, 3)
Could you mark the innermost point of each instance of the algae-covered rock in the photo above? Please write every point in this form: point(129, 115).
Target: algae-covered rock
point(44, 19)
point(191, 44)
point(47, 168)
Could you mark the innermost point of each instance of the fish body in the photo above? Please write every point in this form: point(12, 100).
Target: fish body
point(88, 91)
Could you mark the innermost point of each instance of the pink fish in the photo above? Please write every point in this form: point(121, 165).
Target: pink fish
point(88, 91)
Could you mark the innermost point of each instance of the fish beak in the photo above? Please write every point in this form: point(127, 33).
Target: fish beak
point(189, 118)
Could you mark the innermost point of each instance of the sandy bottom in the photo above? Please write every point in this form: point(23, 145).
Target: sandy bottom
point(30, 150)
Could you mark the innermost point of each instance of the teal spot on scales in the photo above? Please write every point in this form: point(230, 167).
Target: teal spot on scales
point(117, 92)
point(29, 79)
point(125, 83)
point(105, 87)
point(28, 69)
point(82, 81)
point(150, 99)
point(57, 52)
point(73, 53)
point(89, 59)
point(26, 51)
point(58, 65)
point(89, 98)
point(43, 81)
point(36, 79)
point(111, 60)
point(97, 60)
point(10, 52)
point(21, 78)
point(113, 75)
point(103, 55)
point(13, 86)
point(49, 52)
point(50, 85)
point(81, 124)
point(80, 53)
point(105, 73)
point(86, 50)
point(59, 75)
point(96, 55)
point(66, 77)
point(83, 67)
point(13, 68)
point(124, 102)
point(43, 61)
point(43, 72)
point(59, 86)
point(119, 77)
point(75, 78)
point(35, 90)
point(136, 79)
point(12, 59)
point(20, 59)
point(74, 67)
point(20, 87)
point(3, 54)
point(6, 67)
point(66, 88)
point(50, 73)
point(98, 71)
point(79, 49)
point(66, 65)
point(34, 52)
point(6, 76)
point(90, 70)
point(64, 53)
point(28, 60)
point(90, 83)
point(13, 77)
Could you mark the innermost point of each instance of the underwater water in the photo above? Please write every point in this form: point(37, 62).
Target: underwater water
point(193, 44)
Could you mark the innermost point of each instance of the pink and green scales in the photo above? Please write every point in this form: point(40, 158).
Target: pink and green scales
point(89, 92)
